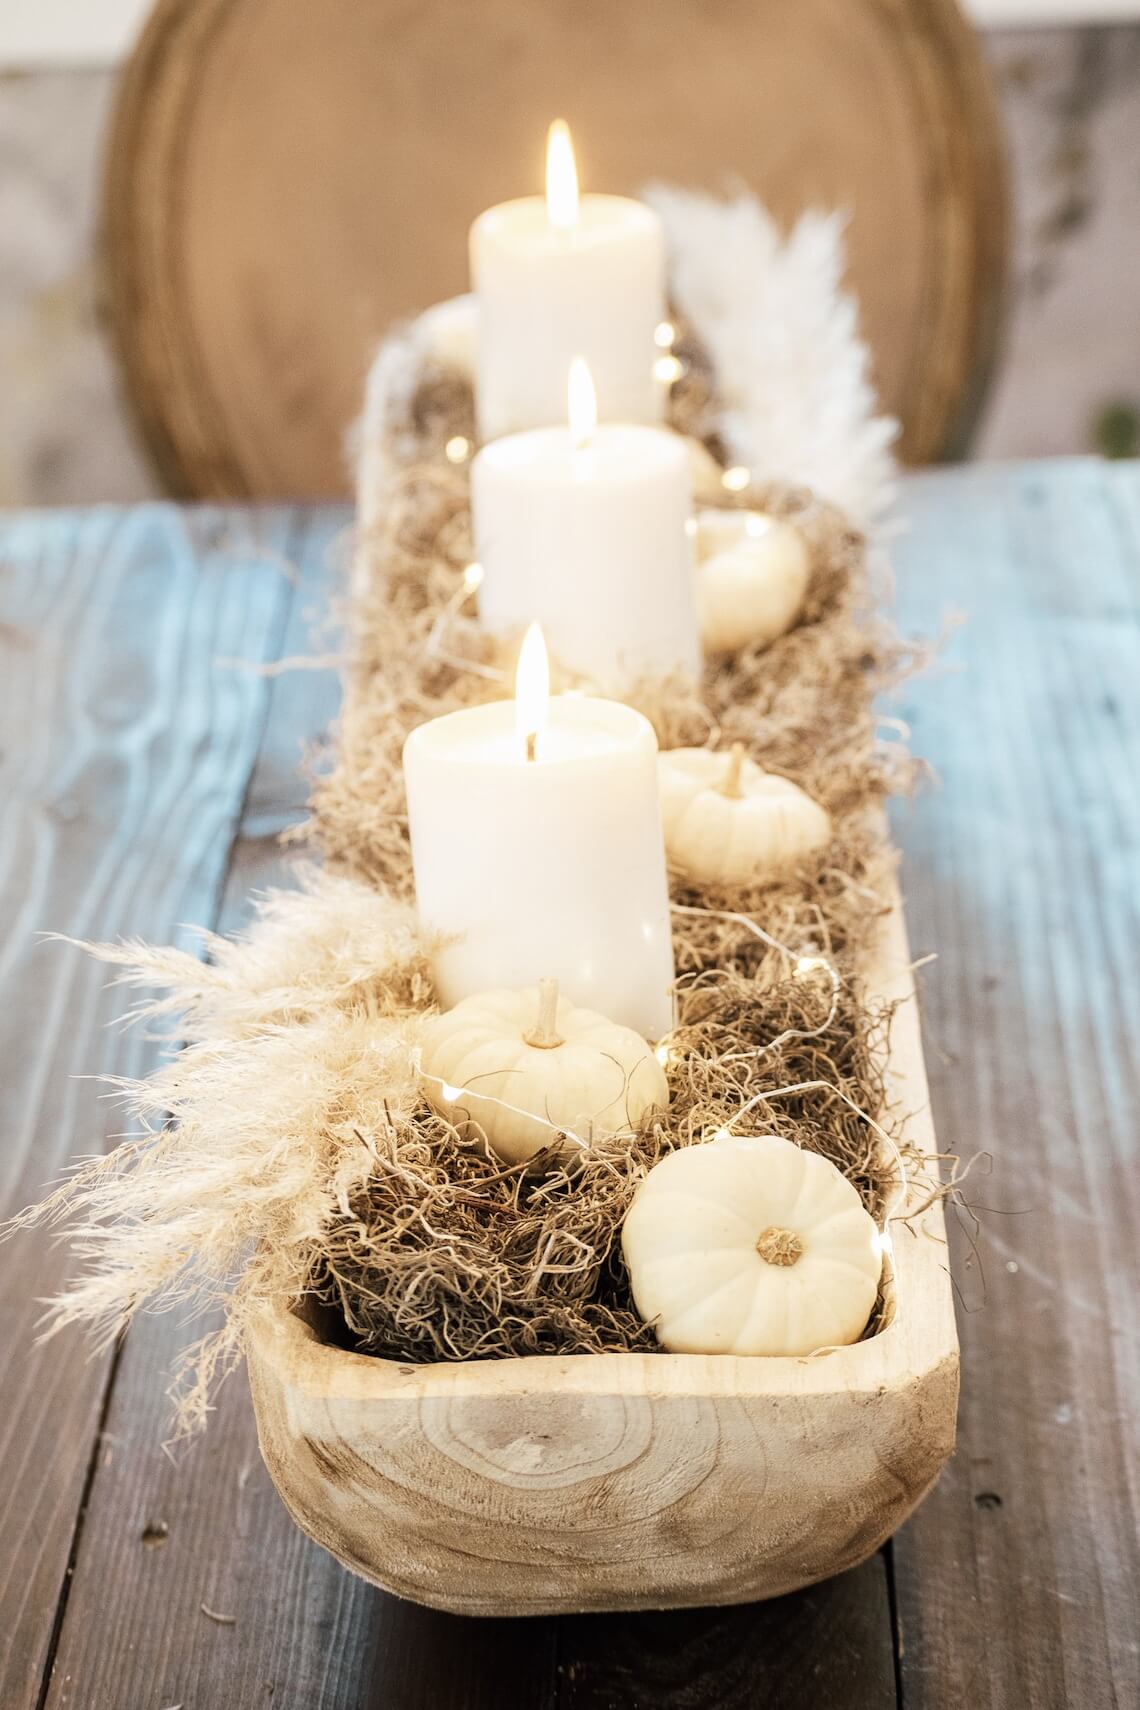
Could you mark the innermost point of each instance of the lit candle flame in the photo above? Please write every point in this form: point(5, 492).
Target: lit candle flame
point(561, 178)
point(532, 692)
point(581, 403)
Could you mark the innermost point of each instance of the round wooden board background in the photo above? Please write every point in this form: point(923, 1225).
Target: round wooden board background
point(287, 178)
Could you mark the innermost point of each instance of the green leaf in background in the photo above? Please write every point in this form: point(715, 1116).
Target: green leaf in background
point(1116, 429)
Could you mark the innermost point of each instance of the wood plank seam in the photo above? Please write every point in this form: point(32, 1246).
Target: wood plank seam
point(888, 1555)
point(80, 1515)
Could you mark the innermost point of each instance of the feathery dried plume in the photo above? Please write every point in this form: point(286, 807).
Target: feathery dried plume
point(793, 397)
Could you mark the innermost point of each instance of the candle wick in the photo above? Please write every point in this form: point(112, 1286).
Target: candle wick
point(531, 744)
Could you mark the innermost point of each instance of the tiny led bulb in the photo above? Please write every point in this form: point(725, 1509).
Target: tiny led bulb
point(809, 965)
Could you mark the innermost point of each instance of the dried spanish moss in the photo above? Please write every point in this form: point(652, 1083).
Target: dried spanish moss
point(445, 1254)
point(418, 1268)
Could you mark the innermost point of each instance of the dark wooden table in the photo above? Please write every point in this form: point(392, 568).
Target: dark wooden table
point(145, 777)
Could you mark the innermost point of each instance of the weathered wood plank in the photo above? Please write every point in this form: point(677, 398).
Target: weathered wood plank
point(1017, 1580)
point(303, 704)
point(208, 1528)
point(125, 756)
point(830, 1644)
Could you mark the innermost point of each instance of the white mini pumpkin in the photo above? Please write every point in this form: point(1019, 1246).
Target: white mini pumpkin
point(752, 578)
point(556, 1068)
point(751, 1246)
point(727, 821)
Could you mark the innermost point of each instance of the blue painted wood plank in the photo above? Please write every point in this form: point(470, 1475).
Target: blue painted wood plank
point(125, 752)
point(1016, 1582)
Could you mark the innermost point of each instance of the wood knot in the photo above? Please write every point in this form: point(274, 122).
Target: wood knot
point(779, 1247)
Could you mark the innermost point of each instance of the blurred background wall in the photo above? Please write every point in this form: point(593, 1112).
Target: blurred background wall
point(1069, 77)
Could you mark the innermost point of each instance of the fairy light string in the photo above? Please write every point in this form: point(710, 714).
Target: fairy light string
point(803, 967)
point(436, 646)
point(452, 1094)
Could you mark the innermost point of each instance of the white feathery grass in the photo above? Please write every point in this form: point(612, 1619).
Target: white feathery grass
point(373, 444)
point(330, 941)
point(304, 1052)
point(796, 401)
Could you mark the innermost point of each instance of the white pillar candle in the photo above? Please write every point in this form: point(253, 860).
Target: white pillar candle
point(559, 277)
point(587, 530)
point(551, 867)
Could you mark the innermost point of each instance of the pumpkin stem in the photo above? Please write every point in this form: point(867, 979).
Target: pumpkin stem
point(544, 1034)
point(779, 1246)
point(730, 783)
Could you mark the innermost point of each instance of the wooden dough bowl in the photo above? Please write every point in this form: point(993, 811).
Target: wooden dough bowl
point(624, 1481)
